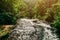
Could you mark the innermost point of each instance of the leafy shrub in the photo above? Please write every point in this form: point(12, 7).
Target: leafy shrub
point(23, 9)
point(7, 12)
point(7, 18)
point(56, 23)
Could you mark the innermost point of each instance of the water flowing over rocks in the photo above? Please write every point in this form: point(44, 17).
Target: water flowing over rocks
point(32, 29)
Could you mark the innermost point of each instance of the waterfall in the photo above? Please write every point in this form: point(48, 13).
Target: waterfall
point(49, 35)
point(32, 29)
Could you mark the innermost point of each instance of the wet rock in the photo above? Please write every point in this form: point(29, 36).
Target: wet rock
point(31, 29)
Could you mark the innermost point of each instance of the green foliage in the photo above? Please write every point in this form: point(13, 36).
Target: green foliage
point(7, 12)
point(7, 18)
point(56, 23)
point(3, 33)
point(23, 9)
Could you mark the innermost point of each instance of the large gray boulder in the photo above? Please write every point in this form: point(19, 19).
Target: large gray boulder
point(32, 29)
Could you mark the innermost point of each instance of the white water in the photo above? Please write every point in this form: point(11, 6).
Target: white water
point(48, 35)
point(26, 29)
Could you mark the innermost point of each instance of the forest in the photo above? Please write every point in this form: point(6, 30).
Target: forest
point(45, 10)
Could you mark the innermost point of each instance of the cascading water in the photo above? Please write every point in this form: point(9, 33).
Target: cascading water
point(49, 35)
point(32, 29)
